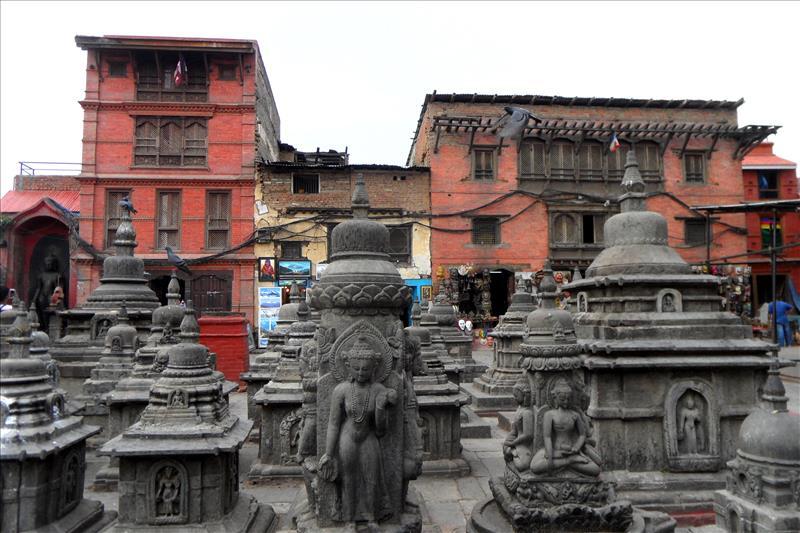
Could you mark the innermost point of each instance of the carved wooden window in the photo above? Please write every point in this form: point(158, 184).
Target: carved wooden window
point(592, 229)
point(305, 184)
point(218, 219)
point(648, 154)
point(485, 231)
point(155, 75)
point(562, 160)
point(113, 214)
point(564, 230)
point(694, 167)
point(532, 164)
point(168, 219)
point(170, 142)
point(212, 292)
point(695, 232)
point(292, 249)
point(615, 162)
point(768, 185)
point(590, 161)
point(483, 164)
point(400, 243)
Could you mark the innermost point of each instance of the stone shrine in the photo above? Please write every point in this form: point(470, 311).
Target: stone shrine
point(552, 476)
point(262, 370)
point(440, 403)
point(763, 481)
point(671, 376)
point(492, 391)
point(42, 448)
point(179, 464)
point(363, 447)
point(86, 326)
point(280, 407)
point(437, 354)
point(457, 343)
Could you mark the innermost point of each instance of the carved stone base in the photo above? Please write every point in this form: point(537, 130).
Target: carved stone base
point(87, 517)
point(248, 516)
point(458, 467)
point(488, 403)
point(473, 426)
point(668, 492)
point(107, 477)
point(304, 521)
point(262, 472)
point(737, 514)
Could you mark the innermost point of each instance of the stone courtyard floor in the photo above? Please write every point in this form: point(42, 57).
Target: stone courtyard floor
point(446, 502)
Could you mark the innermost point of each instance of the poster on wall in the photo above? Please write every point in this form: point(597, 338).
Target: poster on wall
point(269, 303)
point(294, 268)
point(320, 269)
point(266, 269)
point(300, 282)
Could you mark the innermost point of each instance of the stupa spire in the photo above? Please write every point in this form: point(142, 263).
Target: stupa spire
point(360, 202)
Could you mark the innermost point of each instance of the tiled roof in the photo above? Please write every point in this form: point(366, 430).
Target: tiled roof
point(762, 157)
point(18, 201)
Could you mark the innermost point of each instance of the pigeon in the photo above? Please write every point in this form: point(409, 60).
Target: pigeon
point(127, 205)
point(515, 121)
point(179, 263)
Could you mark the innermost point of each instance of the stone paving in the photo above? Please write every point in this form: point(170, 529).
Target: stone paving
point(446, 503)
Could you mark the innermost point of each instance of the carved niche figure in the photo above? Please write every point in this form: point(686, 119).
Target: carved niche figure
point(177, 398)
point(690, 426)
point(565, 432)
point(71, 493)
point(519, 443)
point(46, 286)
point(168, 492)
point(358, 419)
point(669, 301)
point(583, 304)
point(289, 431)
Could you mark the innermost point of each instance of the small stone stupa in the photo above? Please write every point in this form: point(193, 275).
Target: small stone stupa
point(552, 476)
point(458, 343)
point(492, 391)
point(280, 407)
point(672, 375)
point(42, 448)
point(123, 281)
point(179, 464)
point(364, 447)
point(763, 489)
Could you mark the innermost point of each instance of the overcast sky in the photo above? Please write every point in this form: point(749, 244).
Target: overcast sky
point(355, 74)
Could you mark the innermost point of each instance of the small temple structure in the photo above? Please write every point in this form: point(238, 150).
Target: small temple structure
point(42, 447)
point(86, 326)
point(457, 343)
point(179, 464)
point(670, 375)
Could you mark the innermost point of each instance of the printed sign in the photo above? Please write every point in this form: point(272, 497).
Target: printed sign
point(269, 302)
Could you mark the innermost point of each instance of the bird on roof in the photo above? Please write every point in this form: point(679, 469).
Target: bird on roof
point(514, 122)
point(179, 263)
point(127, 205)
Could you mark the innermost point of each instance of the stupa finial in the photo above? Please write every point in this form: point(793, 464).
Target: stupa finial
point(774, 392)
point(294, 293)
point(548, 287)
point(360, 203)
point(190, 329)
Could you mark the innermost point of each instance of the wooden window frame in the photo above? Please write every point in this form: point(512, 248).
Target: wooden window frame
point(684, 163)
point(562, 172)
point(299, 245)
point(649, 173)
point(497, 232)
point(306, 175)
point(407, 257)
point(492, 151)
point(151, 87)
point(157, 225)
point(577, 230)
point(141, 144)
point(774, 193)
point(590, 173)
point(619, 156)
point(545, 159)
point(109, 242)
point(695, 222)
point(209, 229)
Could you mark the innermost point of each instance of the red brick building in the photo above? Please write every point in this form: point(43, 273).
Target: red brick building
point(186, 153)
point(504, 208)
point(768, 177)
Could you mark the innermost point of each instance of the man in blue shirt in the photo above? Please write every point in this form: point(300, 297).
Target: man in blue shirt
point(784, 329)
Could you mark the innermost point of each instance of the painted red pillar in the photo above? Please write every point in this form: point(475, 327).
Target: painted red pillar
point(227, 337)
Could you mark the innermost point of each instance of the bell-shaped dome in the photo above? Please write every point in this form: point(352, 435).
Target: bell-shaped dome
point(287, 313)
point(188, 355)
point(170, 315)
point(121, 337)
point(547, 322)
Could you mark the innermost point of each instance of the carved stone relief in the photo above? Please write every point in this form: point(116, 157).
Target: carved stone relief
point(669, 301)
point(72, 481)
point(290, 429)
point(691, 427)
point(167, 496)
point(583, 302)
point(178, 399)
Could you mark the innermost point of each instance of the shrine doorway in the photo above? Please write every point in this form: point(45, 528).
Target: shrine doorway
point(502, 287)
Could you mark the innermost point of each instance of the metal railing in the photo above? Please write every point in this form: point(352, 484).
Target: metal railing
point(33, 168)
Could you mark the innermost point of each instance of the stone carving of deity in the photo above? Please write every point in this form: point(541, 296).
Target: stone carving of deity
point(690, 426)
point(49, 280)
point(519, 443)
point(358, 420)
point(668, 303)
point(565, 431)
point(71, 476)
point(168, 492)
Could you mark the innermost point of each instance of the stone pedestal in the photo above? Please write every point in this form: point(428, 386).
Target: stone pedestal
point(456, 342)
point(440, 404)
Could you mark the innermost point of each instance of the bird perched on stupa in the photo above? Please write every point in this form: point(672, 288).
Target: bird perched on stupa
point(514, 122)
point(177, 261)
point(127, 205)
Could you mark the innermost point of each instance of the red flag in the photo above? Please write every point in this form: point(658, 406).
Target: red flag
point(181, 72)
point(615, 144)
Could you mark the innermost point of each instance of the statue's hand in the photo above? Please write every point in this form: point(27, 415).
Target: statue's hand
point(327, 468)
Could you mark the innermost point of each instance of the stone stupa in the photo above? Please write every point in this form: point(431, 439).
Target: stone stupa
point(671, 375)
point(179, 464)
point(42, 448)
point(123, 281)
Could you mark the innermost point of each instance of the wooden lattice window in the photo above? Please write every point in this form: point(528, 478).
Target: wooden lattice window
point(170, 142)
point(168, 219)
point(768, 185)
point(564, 230)
point(155, 77)
point(592, 229)
point(532, 164)
point(218, 219)
point(113, 214)
point(694, 167)
point(485, 231)
point(483, 164)
point(694, 232)
point(400, 243)
point(291, 249)
point(615, 162)
point(648, 155)
point(562, 160)
point(305, 184)
point(590, 161)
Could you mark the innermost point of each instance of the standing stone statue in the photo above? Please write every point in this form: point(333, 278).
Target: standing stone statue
point(366, 433)
point(46, 288)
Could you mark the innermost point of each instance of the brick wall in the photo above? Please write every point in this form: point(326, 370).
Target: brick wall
point(46, 183)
